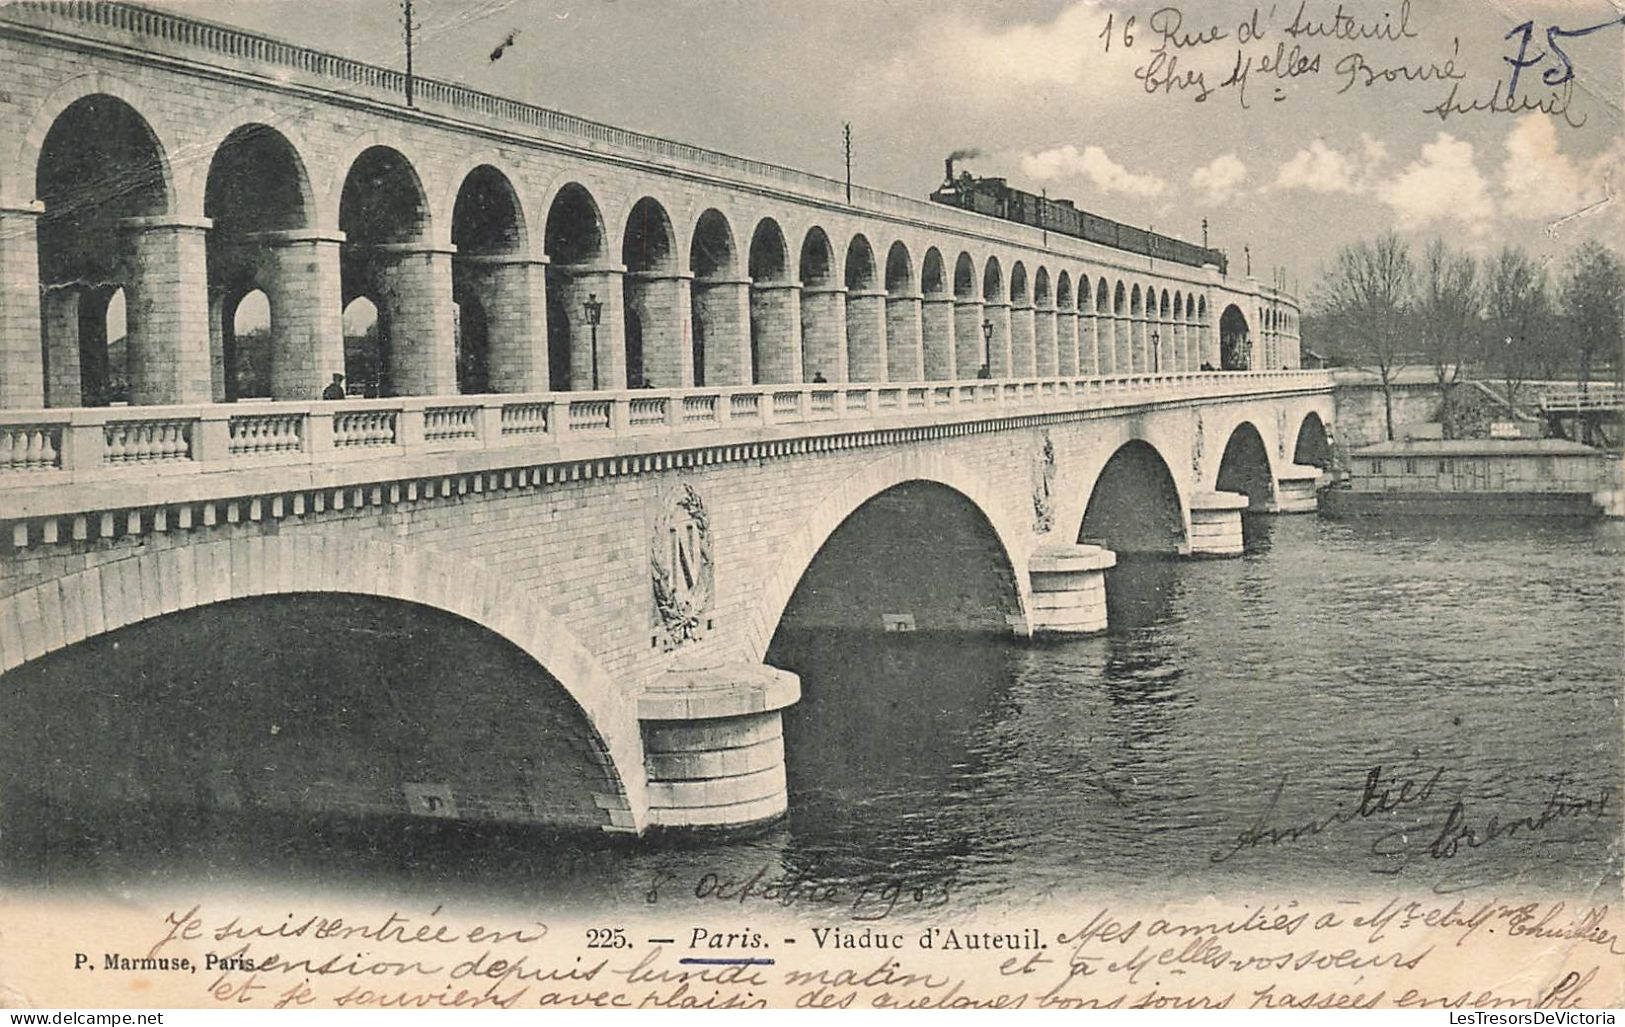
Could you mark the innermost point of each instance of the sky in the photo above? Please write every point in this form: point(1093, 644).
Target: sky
point(1342, 143)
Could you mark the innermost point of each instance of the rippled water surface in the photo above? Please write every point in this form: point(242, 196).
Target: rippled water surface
point(1220, 735)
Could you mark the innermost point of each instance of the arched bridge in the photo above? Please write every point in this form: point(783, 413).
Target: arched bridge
point(620, 393)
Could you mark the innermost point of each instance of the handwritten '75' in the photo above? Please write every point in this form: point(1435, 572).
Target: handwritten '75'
point(1554, 76)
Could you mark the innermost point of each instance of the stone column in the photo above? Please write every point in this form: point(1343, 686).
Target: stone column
point(999, 348)
point(1139, 359)
point(307, 309)
point(823, 332)
point(1122, 345)
point(866, 336)
point(968, 317)
point(1297, 489)
point(1092, 355)
point(937, 330)
point(64, 383)
point(1180, 349)
point(713, 745)
point(725, 305)
point(775, 310)
point(415, 306)
point(1069, 588)
point(167, 310)
point(581, 282)
point(1023, 357)
point(22, 376)
point(514, 294)
point(1216, 524)
point(663, 304)
point(905, 342)
point(1067, 362)
point(1047, 358)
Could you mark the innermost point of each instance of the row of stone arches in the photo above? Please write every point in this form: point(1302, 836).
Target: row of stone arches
point(477, 293)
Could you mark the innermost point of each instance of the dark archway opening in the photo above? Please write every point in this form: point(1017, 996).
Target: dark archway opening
point(291, 734)
point(1245, 468)
point(473, 346)
point(890, 715)
point(1235, 348)
point(1134, 507)
point(381, 208)
point(100, 165)
point(573, 241)
point(256, 191)
point(490, 283)
point(1314, 445)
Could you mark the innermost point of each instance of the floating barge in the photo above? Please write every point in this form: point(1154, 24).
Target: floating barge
point(1476, 478)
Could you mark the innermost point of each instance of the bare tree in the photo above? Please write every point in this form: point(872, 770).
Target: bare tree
point(1517, 306)
point(1594, 295)
point(1447, 317)
point(1367, 297)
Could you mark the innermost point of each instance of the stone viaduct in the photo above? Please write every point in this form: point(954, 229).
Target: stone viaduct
point(621, 391)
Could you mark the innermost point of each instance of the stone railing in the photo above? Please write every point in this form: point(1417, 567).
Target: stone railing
point(85, 444)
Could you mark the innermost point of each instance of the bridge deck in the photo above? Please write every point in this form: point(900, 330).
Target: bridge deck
point(130, 456)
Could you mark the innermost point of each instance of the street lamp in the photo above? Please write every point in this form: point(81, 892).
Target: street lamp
point(1156, 353)
point(595, 313)
point(987, 348)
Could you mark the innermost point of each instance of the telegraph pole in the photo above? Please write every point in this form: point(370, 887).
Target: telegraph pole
point(406, 11)
point(846, 139)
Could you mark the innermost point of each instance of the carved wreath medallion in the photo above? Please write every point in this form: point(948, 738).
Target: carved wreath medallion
point(680, 564)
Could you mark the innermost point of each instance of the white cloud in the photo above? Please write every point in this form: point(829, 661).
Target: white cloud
point(1219, 178)
point(1539, 181)
point(960, 56)
point(1065, 163)
point(1443, 185)
point(1320, 169)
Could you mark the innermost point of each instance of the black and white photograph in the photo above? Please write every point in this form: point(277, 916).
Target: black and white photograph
point(708, 504)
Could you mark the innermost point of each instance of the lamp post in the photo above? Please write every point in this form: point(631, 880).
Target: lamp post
point(987, 348)
point(595, 313)
point(1156, 353)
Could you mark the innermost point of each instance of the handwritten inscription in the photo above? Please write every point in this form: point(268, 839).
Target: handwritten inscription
point(1287, 953)
point(1272, 50)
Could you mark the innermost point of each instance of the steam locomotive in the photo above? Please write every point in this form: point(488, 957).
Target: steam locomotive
point(993, 196)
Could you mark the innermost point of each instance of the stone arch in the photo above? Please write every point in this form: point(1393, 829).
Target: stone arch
point(1247, 466)
point(933, 274)
point(148, 584)
point(860, 271)
point(1064, 299)
point(99, 165)
point(1134, 502)
point(769, 253)
point(964, 277)
point(490, 282)
point(147, 108)
point(267, 123)
point(801, 547)
point(488, 163)
point(715, 318)
point(993, 282)
point(1019, 290)
point(1313, 445)
point(1042, 296)
point(899, 270)
point(1235, 346)
point(817, 261)
point(330, 202)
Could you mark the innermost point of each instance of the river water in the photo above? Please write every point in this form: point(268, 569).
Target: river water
point(1372, 705)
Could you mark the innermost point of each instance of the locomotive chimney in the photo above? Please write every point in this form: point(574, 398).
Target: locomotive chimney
point(948, 164)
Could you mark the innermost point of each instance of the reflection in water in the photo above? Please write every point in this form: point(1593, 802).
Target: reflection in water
point(976, 769)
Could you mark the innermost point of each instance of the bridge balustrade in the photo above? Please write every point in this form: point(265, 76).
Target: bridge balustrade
point(89, 444)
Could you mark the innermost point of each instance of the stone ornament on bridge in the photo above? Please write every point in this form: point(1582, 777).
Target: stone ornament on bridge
point(1196, 448)
point(680, 565)
point(1043, 486)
